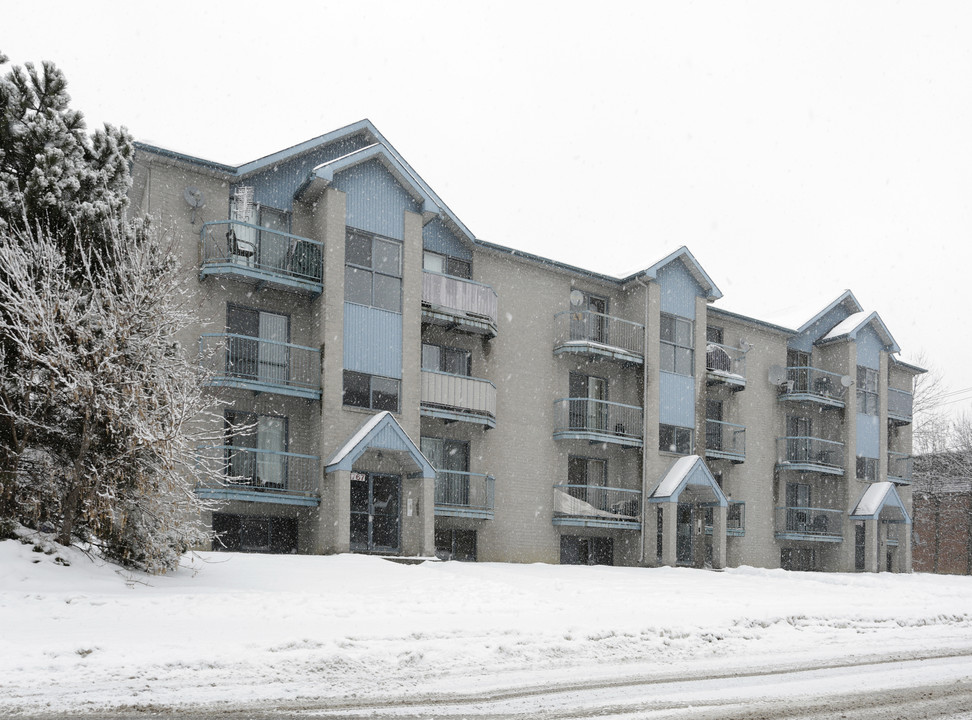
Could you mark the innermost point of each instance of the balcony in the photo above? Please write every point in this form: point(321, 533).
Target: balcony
point(725, 365)
point(596, 506)
point(810, 454)
point(810, 384)
point(458, 303)
point(598, 335)
point(900, 467)
point(735, 520)
point(261, 256)
point(458, 397)
point(254, 475)
point(251, 363)
point(598, 421)
point(813, 524)
point(725, 441)
point(464, 494)
point(900, 406)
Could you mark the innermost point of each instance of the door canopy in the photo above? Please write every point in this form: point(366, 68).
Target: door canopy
point(382, 432)
point(688, 480)
point(881, 502)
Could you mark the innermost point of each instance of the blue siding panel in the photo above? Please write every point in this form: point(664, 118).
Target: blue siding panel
point(869, 348)
point(676, 395)
point(372, 341)
point(805, 340)
point(868, 436)
point(678, 290)
point(376, 202)
point(438, 238)
point(276, 185)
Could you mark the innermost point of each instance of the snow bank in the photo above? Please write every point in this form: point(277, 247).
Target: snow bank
point(230, 629)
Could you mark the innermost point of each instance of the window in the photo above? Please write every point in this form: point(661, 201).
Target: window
point(371, 391)
point(446, 265)
point(677, 347)
point(675, 439)
point(373, 271)
point(867, 391)
point(454, 361)
point(867, 469)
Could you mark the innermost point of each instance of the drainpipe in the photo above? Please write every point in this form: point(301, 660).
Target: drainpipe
point(644, 430)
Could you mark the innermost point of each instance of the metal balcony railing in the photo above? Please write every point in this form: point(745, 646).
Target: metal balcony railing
point(262, 365)
point(810, 383)
point(810, 453)
point(584, 418)
point(464, 494)
point(900, 405)
point(265, 471)
point(735, 520)
point(725, 364)
point(231, 247)
point(596, 502)
point(725, 440)
point(900, 467)
point(458, 397)
point(453, 300)
point(806, 523)
point(596, 333)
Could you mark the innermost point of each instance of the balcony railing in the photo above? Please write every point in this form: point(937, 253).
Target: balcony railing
point(814, 385)
point(591, 333)
point(900, 466)
point(900, 406)
point(458, 397)
point(598, 420)
point(261, 475)
point(735, 520)
point(453, 301)
point(725, 440)
point(725, 364)
point(260, 255)
point(464, 494)
point(806, 523)
point(262, 365)
point(596, 506)
point(811, 454)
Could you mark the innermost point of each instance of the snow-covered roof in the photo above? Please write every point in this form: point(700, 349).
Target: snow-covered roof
point(380, 431)
point(875, 498)
point(852, 324)
point(688, 470)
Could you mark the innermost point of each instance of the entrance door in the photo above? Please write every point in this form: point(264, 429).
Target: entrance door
point(375, 502)
point(684, 537)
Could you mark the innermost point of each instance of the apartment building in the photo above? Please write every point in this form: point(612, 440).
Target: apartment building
point(396, 386)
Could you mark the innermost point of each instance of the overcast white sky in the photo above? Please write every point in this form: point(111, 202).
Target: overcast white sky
point(796, 149)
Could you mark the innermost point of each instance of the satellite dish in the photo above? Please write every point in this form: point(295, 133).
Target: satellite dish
point(846, 380)
point(576, 298)
point(745, 346)
point(195, 199)
point(777, 374)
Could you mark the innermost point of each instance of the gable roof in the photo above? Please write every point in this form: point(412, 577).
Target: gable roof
point(691, 264)
point(853, 324)
point(687, 472)
point(878, 496)
point(846, 298)
point(380, 432)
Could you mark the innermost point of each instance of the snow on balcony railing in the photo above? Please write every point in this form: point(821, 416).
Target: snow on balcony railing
point(597, 502)
point(597, 330)
point(726, 363)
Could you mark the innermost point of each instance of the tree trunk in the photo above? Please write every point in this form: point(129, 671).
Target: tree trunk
point(71, 505)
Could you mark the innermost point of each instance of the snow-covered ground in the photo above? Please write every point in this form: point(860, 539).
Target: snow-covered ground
point(233, 630)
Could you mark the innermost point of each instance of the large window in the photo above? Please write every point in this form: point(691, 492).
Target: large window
point(867, 391)
point(446, 265)
point(672, 438)
point(677, 347)
point(373, 271)
point(439, 358)
point(371, 391)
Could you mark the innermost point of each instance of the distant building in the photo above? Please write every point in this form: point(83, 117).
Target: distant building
point(943, 514)
point(398, 386)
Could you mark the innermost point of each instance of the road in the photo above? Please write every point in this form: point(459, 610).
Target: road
point(883, 689)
